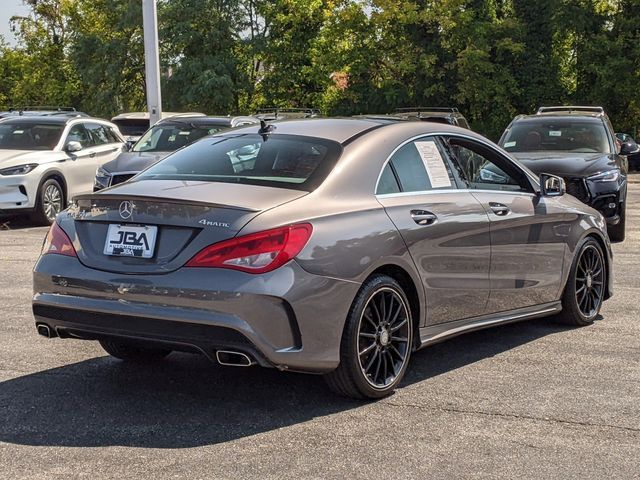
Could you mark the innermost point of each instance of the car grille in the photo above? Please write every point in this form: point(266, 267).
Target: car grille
point(116, 179)
point(577, 188)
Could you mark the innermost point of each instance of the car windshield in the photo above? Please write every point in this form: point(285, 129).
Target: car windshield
point(132, 126)
point(29, 136)
point(285, 161)
point(167, 138)
point(556, 135)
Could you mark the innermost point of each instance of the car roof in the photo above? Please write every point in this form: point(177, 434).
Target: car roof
point(41, 119)
point(588, 116)
point(145, 115)
point(208, 120)
point(345, 130)
point(49, 119)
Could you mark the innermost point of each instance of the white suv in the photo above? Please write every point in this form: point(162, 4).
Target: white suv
point(47, 160)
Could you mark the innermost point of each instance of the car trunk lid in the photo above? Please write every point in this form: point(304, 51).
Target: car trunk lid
point(184, 217)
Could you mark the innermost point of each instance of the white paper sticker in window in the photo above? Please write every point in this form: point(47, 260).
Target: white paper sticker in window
point(555, 133)
point(433, 162)
point(509, 144)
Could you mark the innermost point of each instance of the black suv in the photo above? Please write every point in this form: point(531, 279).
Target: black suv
point(579, 145)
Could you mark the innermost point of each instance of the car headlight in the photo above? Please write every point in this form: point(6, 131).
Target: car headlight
point(610, 176)
point(19, 169)
point(102, 180)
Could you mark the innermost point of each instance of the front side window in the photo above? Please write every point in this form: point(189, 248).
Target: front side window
point(29, 136)
point(417, 166)
point(79, 134)
point(560, 135)
point(285, 161)
point(482, 168)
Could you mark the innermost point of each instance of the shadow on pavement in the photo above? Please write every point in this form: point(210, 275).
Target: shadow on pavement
point(16, 222)
point(186, 401)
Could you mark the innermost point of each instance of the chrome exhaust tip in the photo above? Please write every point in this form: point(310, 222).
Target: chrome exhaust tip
point(44, 330)
point(234, 359)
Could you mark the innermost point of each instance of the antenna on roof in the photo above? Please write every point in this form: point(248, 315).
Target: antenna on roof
point(265, 129)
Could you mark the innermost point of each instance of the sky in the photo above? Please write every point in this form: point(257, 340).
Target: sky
point(9, 8)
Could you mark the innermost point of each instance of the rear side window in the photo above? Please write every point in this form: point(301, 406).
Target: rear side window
point(285, 161)
point(112, 135)
point(418, 166)
point(388, 182)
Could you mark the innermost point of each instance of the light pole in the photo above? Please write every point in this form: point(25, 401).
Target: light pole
point(152, 60)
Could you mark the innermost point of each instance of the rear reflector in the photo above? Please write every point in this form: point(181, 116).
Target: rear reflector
point(58, 242)
point(255, 253)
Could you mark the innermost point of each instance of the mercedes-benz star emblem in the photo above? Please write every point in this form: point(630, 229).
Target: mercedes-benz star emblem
point(126, 210)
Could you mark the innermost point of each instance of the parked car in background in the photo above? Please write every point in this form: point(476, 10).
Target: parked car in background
point(277, 113)
point(132, 125)
point(159, 141)
point(42, 111)
point(628, 143)
point(578, 144)
point(335, 246)
point(46, 160)
point(447, 115)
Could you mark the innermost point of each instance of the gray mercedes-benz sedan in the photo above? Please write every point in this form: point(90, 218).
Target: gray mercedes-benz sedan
point(333, 246)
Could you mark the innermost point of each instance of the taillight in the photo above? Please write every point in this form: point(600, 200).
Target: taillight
point(255, 253)
point(58, 242)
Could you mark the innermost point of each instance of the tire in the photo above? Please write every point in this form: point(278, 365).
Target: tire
point(587, 278)
point(376, 342)
point(616, 232)
point(133, 353)
point(49, 203)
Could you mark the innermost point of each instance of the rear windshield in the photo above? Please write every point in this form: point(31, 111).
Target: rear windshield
point(167, 138)
point(556, 135)
point(29, 136)
point(285, 161)
point(132, 126)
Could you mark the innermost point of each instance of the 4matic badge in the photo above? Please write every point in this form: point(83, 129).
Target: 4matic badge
point(209, 223)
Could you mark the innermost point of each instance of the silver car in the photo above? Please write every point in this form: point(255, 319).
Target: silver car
point(332, 246)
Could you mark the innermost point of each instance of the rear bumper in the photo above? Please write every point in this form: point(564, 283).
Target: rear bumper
point(289, 318)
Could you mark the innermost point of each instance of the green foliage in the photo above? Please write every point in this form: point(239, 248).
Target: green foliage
point(490, 58)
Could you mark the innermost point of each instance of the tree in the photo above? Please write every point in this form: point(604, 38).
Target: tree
point(107, 52)
point(200, 39)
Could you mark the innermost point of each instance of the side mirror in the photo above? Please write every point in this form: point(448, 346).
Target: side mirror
point(629, 148)
point(129, 145)
point(72, 147)
point(552, 186)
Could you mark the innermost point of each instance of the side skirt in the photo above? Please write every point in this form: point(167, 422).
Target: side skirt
point(437, 333)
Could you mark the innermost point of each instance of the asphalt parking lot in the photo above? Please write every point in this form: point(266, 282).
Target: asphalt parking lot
point(528, 400)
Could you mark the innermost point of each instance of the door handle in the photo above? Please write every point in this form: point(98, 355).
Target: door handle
point(92, 154)
point(423, 217)
point(499, 209)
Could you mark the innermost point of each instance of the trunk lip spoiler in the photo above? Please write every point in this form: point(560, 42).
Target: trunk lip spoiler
point(146, 198)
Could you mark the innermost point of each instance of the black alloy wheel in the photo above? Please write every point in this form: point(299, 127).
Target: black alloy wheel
point(590, 281)
point(376, 343)
point(586, 286)
point(383, 338)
